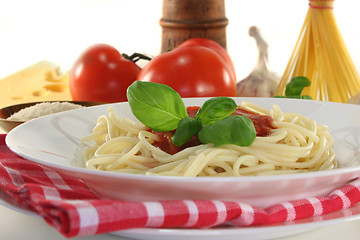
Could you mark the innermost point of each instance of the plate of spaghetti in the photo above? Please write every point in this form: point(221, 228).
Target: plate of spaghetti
point(302, 148)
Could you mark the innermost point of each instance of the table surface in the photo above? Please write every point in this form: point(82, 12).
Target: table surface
point(12, 221)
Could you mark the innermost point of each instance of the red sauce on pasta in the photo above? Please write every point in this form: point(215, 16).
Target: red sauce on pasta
point(262, 123)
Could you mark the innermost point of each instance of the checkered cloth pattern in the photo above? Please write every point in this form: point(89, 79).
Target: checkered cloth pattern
point(68, 205)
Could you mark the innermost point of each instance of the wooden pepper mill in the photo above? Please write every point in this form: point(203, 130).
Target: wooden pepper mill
point(184, 19)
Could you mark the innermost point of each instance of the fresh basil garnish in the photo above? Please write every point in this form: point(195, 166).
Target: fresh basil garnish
point(161, 108)
point(188, 127)
point(306, 97)
point(216, 109)
point(295, 87)
point(236, 129)
point(156, 105)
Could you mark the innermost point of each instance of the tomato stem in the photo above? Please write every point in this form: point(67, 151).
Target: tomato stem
point(136, 57)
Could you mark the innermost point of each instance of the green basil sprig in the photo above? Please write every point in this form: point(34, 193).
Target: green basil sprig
point(161, 108)
point(214, 133)
point(295, 87)
point(157, 106)
point(212, 110)
point(188, 127)
point(216, 109)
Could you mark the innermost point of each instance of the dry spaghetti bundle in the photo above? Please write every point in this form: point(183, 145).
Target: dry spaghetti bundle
point(320, 54)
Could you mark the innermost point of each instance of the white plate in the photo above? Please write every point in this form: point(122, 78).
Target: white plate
point(53, 141)
point(232, 233)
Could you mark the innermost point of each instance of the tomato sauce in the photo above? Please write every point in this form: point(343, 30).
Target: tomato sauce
point(262, 123)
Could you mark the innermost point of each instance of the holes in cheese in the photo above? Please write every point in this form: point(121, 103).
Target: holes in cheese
point(17, 98)
point(55, 87)
point(40, 93)
point(36, 83)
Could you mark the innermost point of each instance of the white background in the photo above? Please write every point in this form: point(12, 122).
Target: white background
point(58, 31)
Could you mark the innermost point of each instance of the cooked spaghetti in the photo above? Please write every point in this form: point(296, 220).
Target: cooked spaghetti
point(295, 144)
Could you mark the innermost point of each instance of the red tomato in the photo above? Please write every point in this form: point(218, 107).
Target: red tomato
point(192, 71)
point(101, 74)
point(214, 46)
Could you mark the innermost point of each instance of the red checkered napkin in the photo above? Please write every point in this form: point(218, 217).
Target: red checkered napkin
point(74, 210)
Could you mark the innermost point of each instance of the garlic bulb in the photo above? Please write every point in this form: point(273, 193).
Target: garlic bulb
point(260, 82)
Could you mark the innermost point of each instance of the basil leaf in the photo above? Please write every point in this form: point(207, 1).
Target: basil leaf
point(235, 129)
point(306, 97)
point(188, 127)
point(216, 109)
point(296, 86)
point(156, 105)
point(296, 96)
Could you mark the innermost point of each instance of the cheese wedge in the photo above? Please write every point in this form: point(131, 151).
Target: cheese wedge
point(42, 81)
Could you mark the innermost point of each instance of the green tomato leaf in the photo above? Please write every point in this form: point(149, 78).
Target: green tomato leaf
point(188, 127)
point(296, 86)
point(236, 129)
point(216, 109)
point(156, 105)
